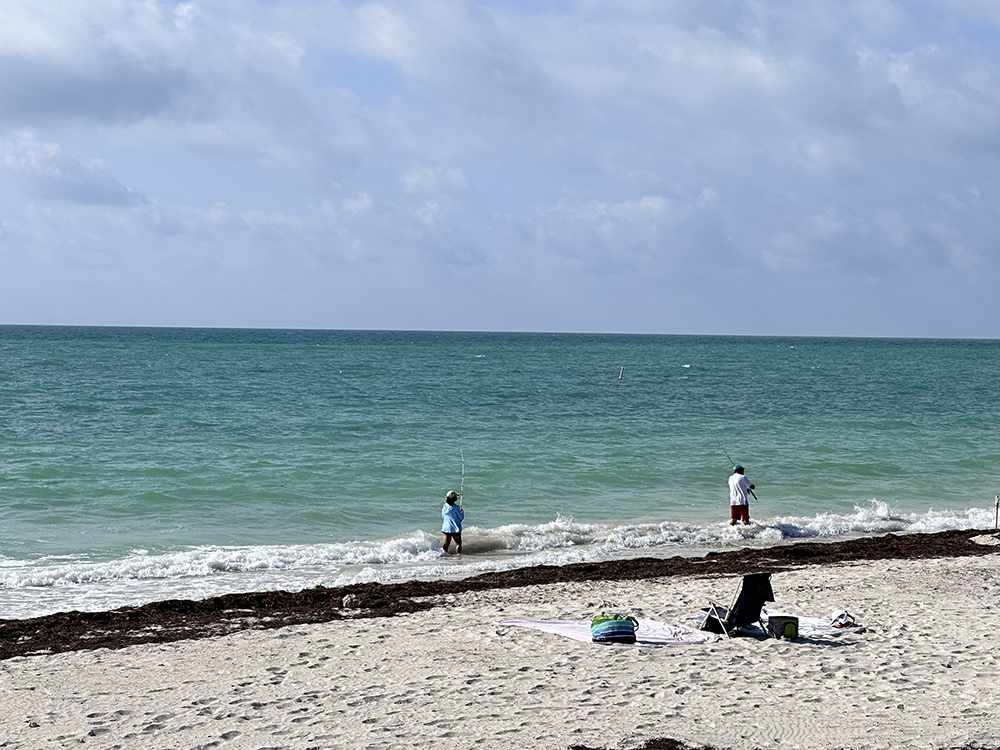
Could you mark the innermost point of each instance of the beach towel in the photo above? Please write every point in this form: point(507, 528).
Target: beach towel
point(811, 627)
point(649, 634)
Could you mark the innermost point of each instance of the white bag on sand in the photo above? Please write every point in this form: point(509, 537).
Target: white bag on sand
point(840, 618)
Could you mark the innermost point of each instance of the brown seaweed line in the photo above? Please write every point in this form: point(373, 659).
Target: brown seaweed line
point(176, 619)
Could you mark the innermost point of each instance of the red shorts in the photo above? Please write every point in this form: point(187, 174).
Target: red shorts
point(740, 513)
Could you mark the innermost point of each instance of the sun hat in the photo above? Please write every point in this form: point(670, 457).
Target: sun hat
point(452, 495)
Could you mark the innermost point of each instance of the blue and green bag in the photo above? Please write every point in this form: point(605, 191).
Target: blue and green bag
point(610, 627)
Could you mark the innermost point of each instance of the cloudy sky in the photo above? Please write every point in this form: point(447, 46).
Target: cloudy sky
point(666, 166)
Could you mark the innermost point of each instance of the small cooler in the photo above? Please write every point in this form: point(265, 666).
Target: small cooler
point(783, 626)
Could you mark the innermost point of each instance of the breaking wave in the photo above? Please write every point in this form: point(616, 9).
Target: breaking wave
point(29, 588)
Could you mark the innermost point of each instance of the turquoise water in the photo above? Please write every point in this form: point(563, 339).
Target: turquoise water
point(138, 464)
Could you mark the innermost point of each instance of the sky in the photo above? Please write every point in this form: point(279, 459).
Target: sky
point(800, 167)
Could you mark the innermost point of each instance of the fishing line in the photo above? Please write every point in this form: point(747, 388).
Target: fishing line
point(727, 455)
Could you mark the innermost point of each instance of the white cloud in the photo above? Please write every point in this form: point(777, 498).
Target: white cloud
point(646, 208)
point(427, 179)
point(46, 173)
point(362, 204)
point(789, 251)
point(578, 151)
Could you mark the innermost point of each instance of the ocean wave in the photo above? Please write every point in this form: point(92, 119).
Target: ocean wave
point(417, 555)
point(212, 560)
point(874, 518)
point(62, 583)
point(563, 541)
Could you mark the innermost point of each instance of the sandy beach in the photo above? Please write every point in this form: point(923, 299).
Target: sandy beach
point(923, 673)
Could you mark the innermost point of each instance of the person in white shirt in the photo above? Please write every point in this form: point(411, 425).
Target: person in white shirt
point(739, 503)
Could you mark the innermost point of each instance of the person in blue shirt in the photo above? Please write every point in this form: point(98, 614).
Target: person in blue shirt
point(452, 526)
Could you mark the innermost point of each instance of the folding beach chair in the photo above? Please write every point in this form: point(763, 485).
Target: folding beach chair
point(751, 594)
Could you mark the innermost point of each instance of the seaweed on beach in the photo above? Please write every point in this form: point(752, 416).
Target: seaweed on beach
point(666, 743)
point(660, 743)
point(177, 620)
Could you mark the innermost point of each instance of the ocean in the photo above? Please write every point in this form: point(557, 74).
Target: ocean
point(140, 464)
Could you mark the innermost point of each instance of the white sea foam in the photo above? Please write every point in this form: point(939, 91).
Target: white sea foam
point(210, 560)
point(51, 584)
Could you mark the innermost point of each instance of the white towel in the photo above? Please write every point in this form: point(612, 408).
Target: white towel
point(810, 627)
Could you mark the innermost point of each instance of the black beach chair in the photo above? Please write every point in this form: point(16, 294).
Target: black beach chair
point(754, 590)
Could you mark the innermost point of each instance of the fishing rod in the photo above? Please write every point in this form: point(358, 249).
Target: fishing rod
point(461, 493)
point(735, 464)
